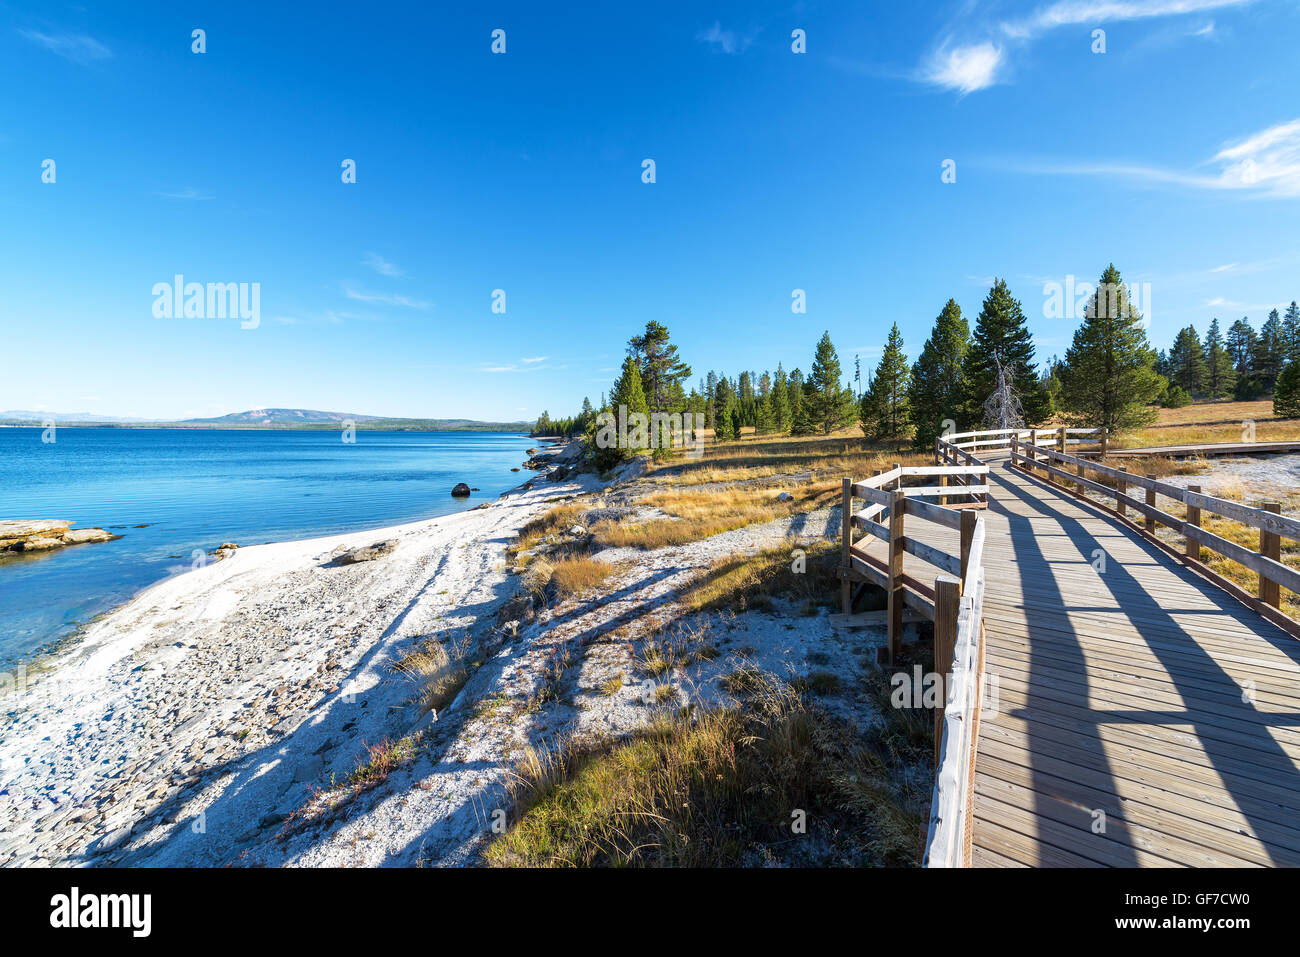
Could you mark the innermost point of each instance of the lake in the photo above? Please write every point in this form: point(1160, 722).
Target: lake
point(196, 488)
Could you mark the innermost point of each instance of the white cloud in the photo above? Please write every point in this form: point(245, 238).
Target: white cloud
point(189, 192)
point(976, 61)
point(535, 359)
point(1074, 12)
point(76, 47)
point(380, 265)
point(965, 68)
point(385, 298)
point(724, 40)
point(1264, 164)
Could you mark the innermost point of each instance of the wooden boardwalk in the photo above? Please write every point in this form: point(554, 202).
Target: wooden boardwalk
point(1144, 717)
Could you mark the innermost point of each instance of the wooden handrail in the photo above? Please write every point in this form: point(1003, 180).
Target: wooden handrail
point(1272, 526)
point(956, 605)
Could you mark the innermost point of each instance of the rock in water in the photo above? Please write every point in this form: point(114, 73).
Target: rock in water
point(461, 490)
point(364, 553)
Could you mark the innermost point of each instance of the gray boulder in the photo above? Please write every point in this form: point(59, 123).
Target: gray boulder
point(364, 553)
point(461, 490)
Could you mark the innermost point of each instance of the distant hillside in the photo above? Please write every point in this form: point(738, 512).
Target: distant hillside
point(269, 419)
point(283, 417)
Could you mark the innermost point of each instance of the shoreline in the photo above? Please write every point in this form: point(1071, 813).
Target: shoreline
point(154, 703)
point(40, 657)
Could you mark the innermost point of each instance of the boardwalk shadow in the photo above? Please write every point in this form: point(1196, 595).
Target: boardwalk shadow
point(1238, 740)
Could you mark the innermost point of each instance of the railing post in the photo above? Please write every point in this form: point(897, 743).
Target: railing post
point(1151, 501)
point(947, 600)
point(898, 482)
point(1060, 447)
point(897, 505)
point(936, 451)
point(1033, 449)
point(846, 533)
point(1192, 548)
point(1105, 442)
point(1270, 546)
point(943, 483)
point(968, 522)
point(1121, 486)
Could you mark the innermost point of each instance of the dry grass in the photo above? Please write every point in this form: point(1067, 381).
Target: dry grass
point(439, 675)
point(575, 575)
point(557, 520)
point(743, 582)
point(1206, 423)
point(842, 453)
point(719, 789)
point(697, 515)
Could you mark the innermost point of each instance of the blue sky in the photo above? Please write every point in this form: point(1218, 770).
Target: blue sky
point(1175, 153)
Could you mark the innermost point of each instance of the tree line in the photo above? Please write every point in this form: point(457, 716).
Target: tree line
point(1110, 377)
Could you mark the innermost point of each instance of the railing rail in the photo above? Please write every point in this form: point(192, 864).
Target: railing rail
point(1265, 562)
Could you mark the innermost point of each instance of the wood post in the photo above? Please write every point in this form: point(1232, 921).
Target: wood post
point(1033, 449)
point(1105, 442)
point(947, 601)
point(1121, 486)
point(1151, 500)
point(943, 483)
point(898, 482)
point(1060, 447)
point(1270, 546)
point(936, 451)
point(968, 521)
point(897, 505)
point(1193, 548)
point(846, 533)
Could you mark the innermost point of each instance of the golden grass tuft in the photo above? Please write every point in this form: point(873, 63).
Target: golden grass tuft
point(719, 788)
point(439, 675)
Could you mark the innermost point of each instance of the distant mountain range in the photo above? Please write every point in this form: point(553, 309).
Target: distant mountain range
point(265, 419)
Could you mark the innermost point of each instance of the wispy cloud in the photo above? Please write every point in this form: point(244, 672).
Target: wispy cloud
point(385, 298)
point(77, 47)
point(1264, 164)
point(963, 68)
point(189, 192)
point(724, 41)
point(535, 359)
point(1074, 12)
point(977, 57)
point(380, 265)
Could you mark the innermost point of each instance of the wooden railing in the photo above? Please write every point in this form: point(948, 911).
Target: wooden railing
point(1265, 562)
point(955, 604)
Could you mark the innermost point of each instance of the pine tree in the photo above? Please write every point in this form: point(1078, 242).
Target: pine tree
point(1291, 332)
point(1001, 332)
point(1220, 375)
point(1286, 397)
point(1270, 352)
point(831, 405)
point(661, 371)
point(885, 410)
point(796, 393)
point(1187, 368)
point(780, 401)
point(936, 392)
point(1108, 379)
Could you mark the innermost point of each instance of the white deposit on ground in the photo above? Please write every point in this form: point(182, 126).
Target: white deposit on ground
point(207, 721)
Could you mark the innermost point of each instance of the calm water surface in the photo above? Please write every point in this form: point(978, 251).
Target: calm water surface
point(194, 489)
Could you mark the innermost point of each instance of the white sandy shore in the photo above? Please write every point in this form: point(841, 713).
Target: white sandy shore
point(206, 722)
point(190, 721)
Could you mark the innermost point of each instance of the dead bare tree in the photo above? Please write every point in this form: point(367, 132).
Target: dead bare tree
point(1002, 410)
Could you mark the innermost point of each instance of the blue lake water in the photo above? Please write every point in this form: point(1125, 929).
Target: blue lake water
point(195, 489)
